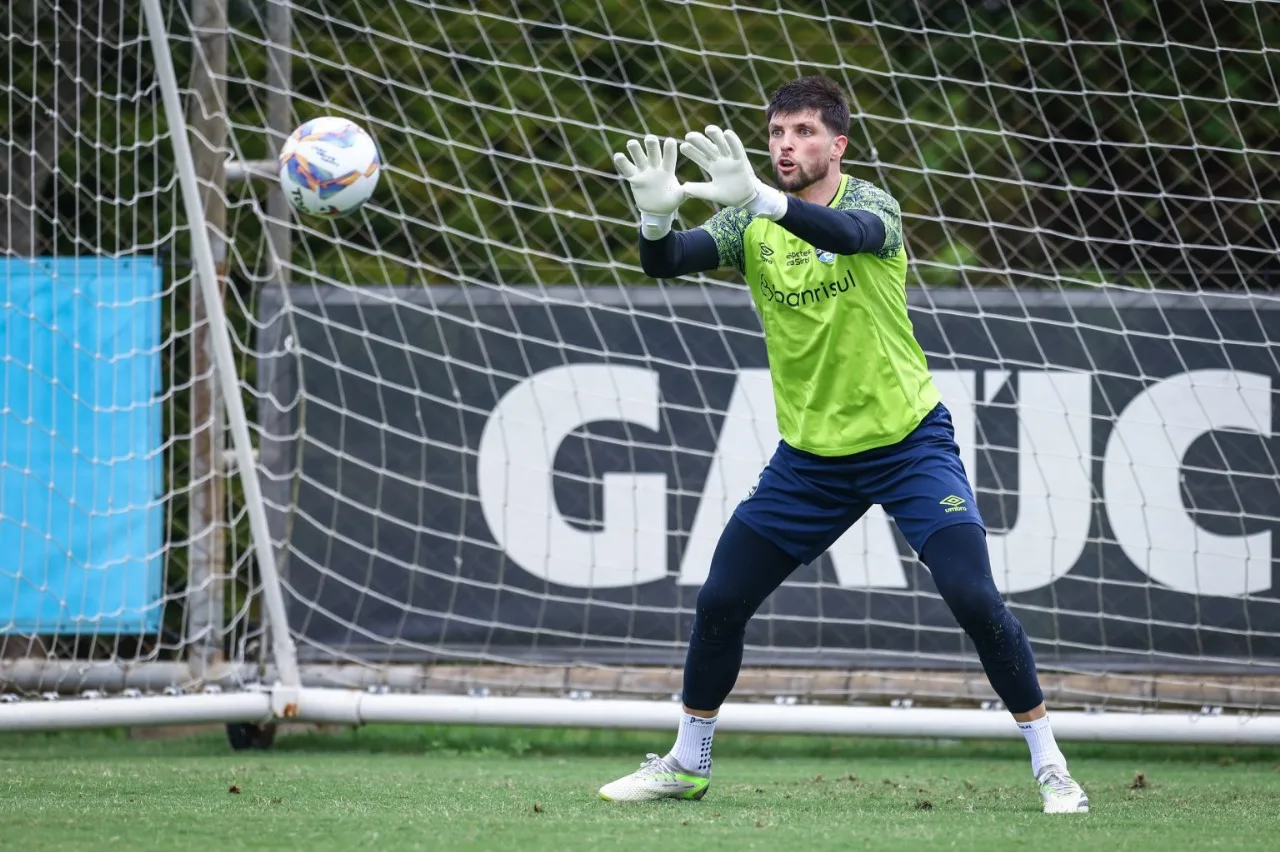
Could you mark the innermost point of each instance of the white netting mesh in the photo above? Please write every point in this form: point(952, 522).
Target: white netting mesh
point(114, 516)
point(1090, 213)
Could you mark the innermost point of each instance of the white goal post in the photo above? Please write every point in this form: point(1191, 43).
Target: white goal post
point(454, 459)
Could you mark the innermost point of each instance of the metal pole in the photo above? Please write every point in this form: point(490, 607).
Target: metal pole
point(279, 235)
point(207, 563)
point(283, 649)
point(280, 120)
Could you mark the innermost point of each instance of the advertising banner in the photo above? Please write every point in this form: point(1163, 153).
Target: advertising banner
point(543, 475)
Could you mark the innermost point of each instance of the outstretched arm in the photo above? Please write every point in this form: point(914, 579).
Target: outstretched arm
point(836, 231)
point(679, 253)
point(651, 171)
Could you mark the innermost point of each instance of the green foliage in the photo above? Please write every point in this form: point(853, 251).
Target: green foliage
point(1035, 134)
point(990, 122)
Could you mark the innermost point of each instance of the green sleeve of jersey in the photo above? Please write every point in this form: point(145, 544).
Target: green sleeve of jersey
point(727, 228)
point(867, 196)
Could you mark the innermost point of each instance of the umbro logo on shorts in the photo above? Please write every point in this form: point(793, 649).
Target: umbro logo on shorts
point(953, 504)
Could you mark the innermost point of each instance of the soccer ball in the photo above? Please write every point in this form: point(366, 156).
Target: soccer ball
point(329, 167)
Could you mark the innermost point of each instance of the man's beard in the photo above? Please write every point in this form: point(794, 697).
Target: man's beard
point(798, 180)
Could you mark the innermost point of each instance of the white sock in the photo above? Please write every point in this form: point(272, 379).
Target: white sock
point(1044, 748)
point(693, 743)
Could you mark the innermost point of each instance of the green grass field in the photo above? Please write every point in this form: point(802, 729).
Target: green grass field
point(454, 788)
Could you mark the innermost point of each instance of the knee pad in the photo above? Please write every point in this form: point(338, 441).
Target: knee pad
point(721, 609)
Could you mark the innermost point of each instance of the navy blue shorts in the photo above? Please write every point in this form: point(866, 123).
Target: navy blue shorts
point(803, 502)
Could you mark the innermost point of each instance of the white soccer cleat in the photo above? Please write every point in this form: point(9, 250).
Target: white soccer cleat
point(657, 778)
point(1061, 793)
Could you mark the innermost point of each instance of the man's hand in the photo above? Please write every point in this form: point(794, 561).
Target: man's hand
point(651, 171)
point(733, 183)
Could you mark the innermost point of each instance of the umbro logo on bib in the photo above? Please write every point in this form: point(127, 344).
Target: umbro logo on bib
point(766, 253)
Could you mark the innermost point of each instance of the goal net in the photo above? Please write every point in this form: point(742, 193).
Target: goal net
point(495, 458)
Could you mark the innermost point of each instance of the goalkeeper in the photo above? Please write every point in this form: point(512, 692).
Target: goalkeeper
point(860, 417)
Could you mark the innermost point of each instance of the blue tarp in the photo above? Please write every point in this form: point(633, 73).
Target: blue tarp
point(81, 494)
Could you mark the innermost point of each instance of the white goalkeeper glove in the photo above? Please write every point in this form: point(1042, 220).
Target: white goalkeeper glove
point(651, 171)
point(733, 183)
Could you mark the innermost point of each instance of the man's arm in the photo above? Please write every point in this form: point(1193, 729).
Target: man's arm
point(686, 252)
point(679, 253)
point(664, 253)
point(651, 171)
point(836, 231)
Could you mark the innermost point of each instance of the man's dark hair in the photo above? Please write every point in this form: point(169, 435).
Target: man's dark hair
point(814, 92)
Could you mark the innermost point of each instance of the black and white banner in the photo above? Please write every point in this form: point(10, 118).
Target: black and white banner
point(544, 474)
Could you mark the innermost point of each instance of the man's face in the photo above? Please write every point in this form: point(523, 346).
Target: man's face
point(803, 151)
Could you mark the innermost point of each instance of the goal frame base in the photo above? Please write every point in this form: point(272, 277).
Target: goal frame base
point(352, 707)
